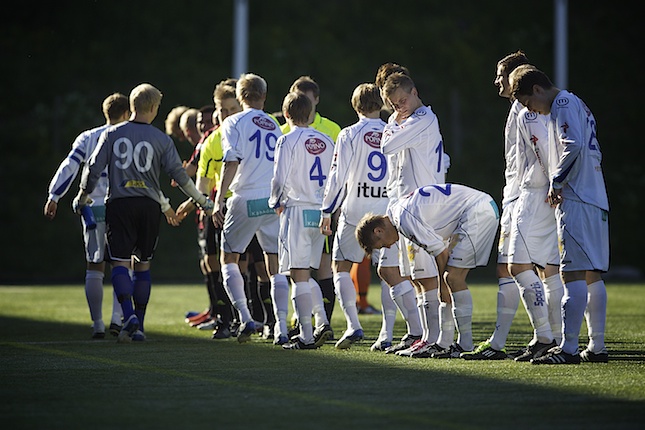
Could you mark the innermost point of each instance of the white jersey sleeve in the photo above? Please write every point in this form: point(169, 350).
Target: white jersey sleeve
point(532, 150)
point(511, 189)
point(250, 137)
point(419, 149)
point(577, 159)
point(358, 174)
point(69, 168)
point(302, 163)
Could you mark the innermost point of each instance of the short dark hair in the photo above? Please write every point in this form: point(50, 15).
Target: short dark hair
point(524, 77)
point(305, 84)
point(512, 61)
point(298, 107)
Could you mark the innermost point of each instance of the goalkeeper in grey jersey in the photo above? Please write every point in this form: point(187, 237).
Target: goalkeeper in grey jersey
point(134, 153)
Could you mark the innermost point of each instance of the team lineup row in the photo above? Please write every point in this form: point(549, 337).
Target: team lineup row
point(377, 188)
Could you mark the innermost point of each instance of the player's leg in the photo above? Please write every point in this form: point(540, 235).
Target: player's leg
point(595, 315)
point(554, 290)
point(94, 254)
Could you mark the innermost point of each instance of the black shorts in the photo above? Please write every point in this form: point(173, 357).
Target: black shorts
point(208, 238)
point(132, 228)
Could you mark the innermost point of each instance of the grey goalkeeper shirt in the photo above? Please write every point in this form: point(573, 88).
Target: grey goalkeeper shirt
point(135, 153)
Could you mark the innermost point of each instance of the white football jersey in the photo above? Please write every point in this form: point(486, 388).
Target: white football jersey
point(250, 137)
point(302, 161)
point(511, 186)
point(431, 214)
point(575, 152)
point(358, 174)
point(532, 155)
point(418, 146)
point(82, 149)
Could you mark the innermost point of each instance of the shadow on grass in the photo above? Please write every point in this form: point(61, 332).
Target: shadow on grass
point(50, 381)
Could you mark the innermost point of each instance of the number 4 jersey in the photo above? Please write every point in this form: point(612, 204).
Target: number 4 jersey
point(302, 162)
point(134, 153)
point(358, 176)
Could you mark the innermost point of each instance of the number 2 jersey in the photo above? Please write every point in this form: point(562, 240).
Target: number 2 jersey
point(135, 153)
point(250, 137)
point(431, 214)
point(574, 155)
point(358, 175)
point(302, 161)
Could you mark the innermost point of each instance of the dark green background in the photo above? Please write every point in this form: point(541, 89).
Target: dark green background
point(60, 59)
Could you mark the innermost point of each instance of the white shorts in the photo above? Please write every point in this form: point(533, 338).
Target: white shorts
point(248, 216)
point(95, 239)
point(422, 264)
point(583, 233)
point(472, 241)
point(505, 232)
point(346, 247)
point(534, 237)
point(392, 257)
point(301, 243)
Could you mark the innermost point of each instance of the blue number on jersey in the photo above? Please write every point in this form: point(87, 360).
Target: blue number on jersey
point(270, 146)
point(381, 167)
point(316, 172)
point(439, 152)
point(445, 191)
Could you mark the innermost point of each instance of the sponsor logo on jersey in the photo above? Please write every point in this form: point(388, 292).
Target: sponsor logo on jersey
point(135, 184)
point(373, 139)
point(530, 116)
point(420, 112)
point(264, 123)
point(562, 101)
point(315, 146)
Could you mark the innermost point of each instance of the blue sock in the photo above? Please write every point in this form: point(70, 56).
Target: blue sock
point(141, 294)
point(123, 288)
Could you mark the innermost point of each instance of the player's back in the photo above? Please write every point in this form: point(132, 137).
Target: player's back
point(443, 205)
point(310, 153)
point(367, 174)
point(250, 137)
point(135, 154)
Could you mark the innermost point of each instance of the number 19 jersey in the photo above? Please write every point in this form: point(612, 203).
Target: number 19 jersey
point(250, 137)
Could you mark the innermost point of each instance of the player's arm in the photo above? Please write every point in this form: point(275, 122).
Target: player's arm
point(569, 136)
point(228, 173)
point(96, 164)
point(65, 175)
point(281, 170)
point(397, 138)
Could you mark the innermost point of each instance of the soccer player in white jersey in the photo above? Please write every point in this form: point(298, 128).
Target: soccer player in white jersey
point(135, 152)
point(454, 223)
point(356, 185)
point(115, 109)
point(414, 144)
point(248, 142)
point(578, 193)
point(302, 161)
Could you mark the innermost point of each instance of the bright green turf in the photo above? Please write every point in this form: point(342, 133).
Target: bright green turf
point(53, 376)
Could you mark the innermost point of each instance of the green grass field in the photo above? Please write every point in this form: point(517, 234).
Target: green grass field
point(53, 376)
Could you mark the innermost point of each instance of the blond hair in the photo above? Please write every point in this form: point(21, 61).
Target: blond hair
point(250, 88)
point(144, 98)
point(366, 99)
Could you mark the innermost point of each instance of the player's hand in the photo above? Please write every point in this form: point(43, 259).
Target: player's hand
point(185, 209)
point(325, 226)
point(218, 214)
point(207, 207)
point(172, 218)
point(279, 210)
point(50, 209)
point(554, 197)
point(79, 201)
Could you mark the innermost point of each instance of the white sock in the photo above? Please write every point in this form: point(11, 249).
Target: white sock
point(463, 312)
point(94, 293)
point(574, 303)
point(117, 311)
point(388, 308)
point(317, 301)
point(508, 300)
point(280, 299)
point(234, 286)
point(446, 325)
point(534, 299)
point(431, 313)
point(303, 308)
point(346, 294)
point(422, 316)
point(554, 291)
point(596, 314)
point(403, 295)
